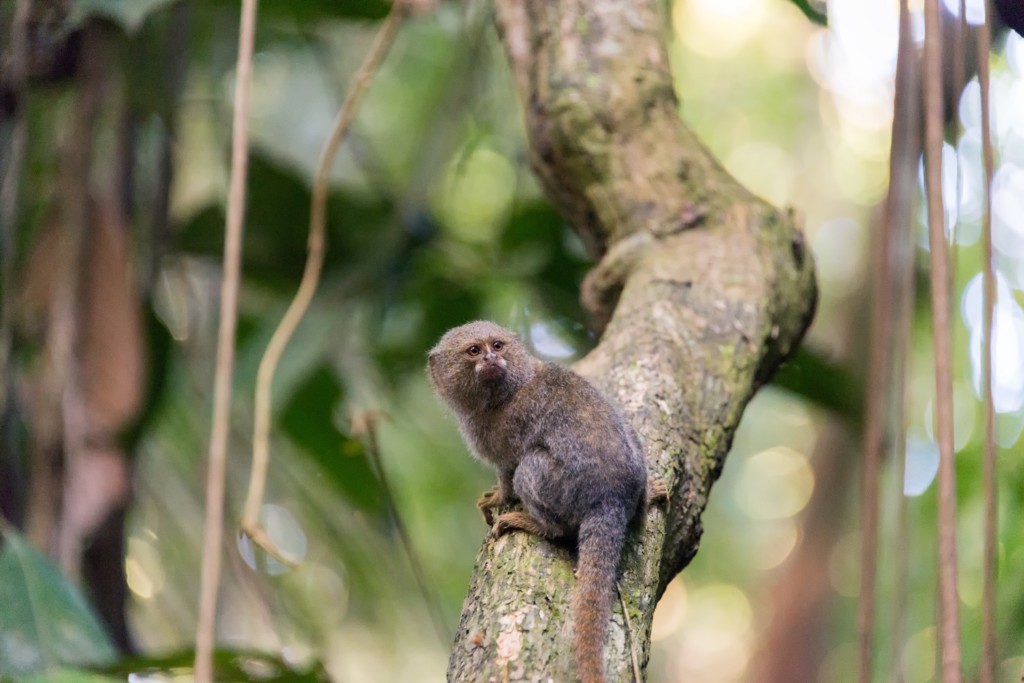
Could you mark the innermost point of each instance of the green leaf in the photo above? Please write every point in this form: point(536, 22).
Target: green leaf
point(819, 380)
point(277, 228)
point(63, 675)
point(44, 620)
point(313, 11)
point(309, 420)
point(228, 665)
point(128, 14)
point(536, 225)
point(316, 10)
point(159, 345)
point(451, 301)
point(812, 10)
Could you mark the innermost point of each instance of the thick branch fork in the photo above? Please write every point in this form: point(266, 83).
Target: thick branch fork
point(702, 291)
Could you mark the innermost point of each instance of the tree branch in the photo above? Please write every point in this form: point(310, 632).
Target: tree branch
point(209, 578)
point(702, 290)
point(990, 462)
point(949, 602)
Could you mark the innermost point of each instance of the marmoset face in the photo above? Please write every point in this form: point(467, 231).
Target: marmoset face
point(487, 356)
point(478, 363)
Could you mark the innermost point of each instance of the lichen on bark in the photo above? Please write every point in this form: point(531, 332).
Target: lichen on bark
point(701, 290)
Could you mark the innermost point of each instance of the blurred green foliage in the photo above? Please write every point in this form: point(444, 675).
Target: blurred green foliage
point(128, 14)
point(814, 10)
point(435, 219)
point(44, 620)
point(309, 419)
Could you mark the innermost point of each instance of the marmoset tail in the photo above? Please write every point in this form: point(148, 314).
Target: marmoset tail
point(560, 448)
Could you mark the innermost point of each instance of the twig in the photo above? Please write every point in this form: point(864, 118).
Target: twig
point(989, 652)
point(904, 287)
point(903, 182)
point(15, 153)
point(364, 424)
point(874, 440)
point(213, 526)
point(310, 277)
point(65, 327)
point(902, 550)
point(949, 616)
point(887, 246)
point(957, 81)
point(176, 53)
point(260, 538)
point(637, 678)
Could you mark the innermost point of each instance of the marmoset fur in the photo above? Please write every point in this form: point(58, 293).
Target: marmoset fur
point(560, 448)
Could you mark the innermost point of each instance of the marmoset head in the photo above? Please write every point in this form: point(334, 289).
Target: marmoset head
point(479, 365)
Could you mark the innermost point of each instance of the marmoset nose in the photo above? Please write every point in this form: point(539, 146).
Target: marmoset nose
point(490, 355)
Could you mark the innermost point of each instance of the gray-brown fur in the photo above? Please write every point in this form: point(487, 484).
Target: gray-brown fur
point(560, 448)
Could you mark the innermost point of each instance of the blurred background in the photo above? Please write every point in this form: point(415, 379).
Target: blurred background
point(118, 143)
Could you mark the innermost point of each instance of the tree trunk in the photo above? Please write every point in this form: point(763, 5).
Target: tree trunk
point(701, 289)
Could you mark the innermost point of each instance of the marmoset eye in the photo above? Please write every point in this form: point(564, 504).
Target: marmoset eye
point(498, 345)
point(473, 350)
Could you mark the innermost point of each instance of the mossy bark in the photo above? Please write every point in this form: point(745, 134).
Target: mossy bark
point(701, 290)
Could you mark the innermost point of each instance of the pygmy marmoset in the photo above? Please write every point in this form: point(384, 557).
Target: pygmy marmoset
point(560, 448)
